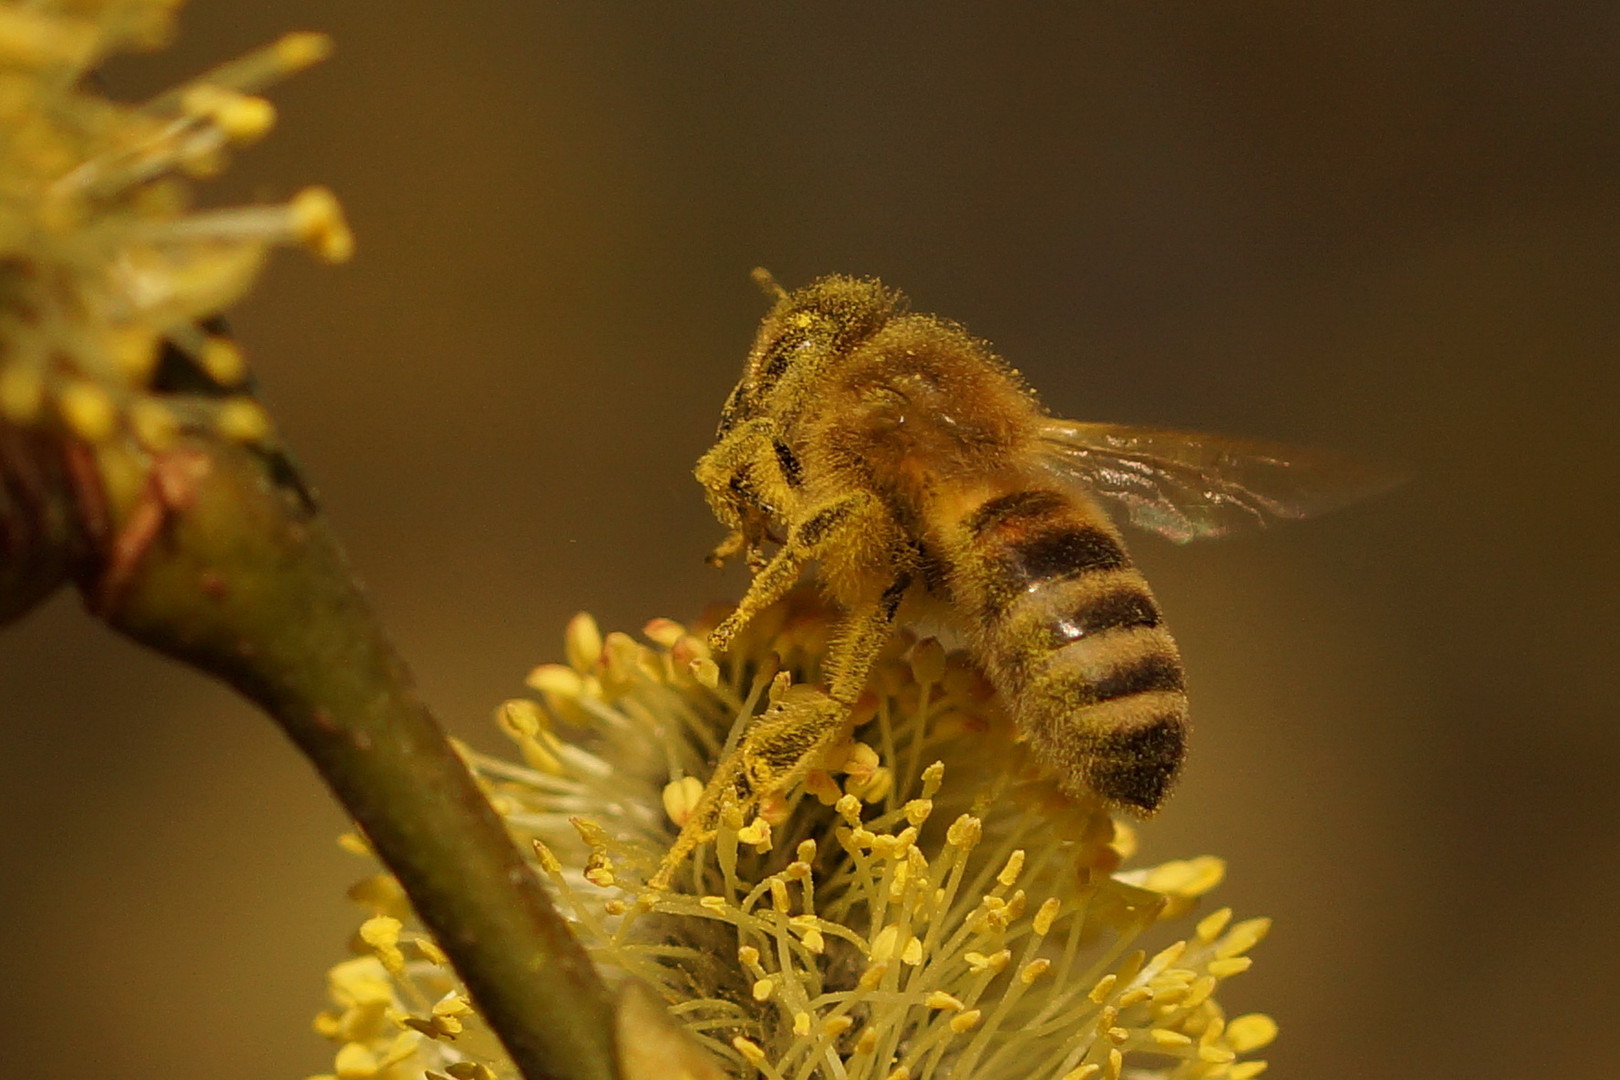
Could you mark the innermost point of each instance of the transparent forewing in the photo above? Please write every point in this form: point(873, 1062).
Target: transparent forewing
point(1189, 486)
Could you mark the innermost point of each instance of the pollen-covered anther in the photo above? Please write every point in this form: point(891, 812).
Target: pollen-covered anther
point(1046, 915)
point(1167, 1038)
point(917, 810)
point(556, 679)
point(243, 420)
point(874, 788)
point(820, 783)
point(978, 962)
point(1174, 979)
point(1105, 987)
point(547, 858)
point(665, 632)
point(430, 950)
point(1011, 870)
point(242, 118)
point(756, 833)
point(87, 410)
point(317, 221)
point(861, 763)
point(1186, 877)
point(155, 425)
point(1210, 926)
point(520, 718)
point(1034, 970)
point(1249, 1032)
point(1199, 993)
point(964, 832)
point(763, 989)
point(802, 1024)
point(1242, 937)
point(749, 1050)
point(706, 672)
point(1232, 965)
point(965, 1021)
point(582, 642)
point(599, 870)
point(872, 977)
point(381, 935)
point(1164, 958)
point(1084, 1072)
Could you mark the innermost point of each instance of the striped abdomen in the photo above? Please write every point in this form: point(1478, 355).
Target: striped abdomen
point(1074, 643)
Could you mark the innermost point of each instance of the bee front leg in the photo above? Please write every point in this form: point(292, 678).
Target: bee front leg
point(734, 544)
point(769, 585)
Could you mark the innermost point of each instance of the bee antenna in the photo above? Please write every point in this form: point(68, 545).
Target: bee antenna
point(762, 277)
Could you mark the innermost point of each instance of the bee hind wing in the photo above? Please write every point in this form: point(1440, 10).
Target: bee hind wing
point(1191, 486)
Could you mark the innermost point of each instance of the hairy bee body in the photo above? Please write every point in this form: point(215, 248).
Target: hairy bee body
point(900, 453)
point(901, 456)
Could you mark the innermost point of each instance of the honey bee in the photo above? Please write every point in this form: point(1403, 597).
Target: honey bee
point(900, 454)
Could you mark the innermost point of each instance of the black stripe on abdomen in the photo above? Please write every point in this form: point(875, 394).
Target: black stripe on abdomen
point(1141, 675)
point(1021, 563)
point(1136, 767)
point(1123, 609)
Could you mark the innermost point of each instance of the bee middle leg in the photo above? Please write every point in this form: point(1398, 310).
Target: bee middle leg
point(776, 749)
point(821, 529)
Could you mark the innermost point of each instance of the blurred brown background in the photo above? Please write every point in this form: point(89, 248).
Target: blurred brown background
point(1387, 228)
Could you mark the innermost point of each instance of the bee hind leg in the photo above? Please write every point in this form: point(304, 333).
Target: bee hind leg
point(774, 753)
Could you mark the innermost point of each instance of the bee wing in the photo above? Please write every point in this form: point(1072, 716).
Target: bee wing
point(1189, 486)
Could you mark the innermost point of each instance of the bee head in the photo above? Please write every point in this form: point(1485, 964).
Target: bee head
point(804, 330)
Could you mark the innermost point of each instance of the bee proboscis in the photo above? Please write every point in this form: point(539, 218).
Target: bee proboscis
point(901, 456)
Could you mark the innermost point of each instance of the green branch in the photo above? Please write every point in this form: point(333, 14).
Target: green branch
point(223, 562)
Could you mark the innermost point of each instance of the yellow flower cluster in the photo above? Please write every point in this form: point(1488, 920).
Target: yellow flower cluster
point(925, 905)
point(103, 266)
